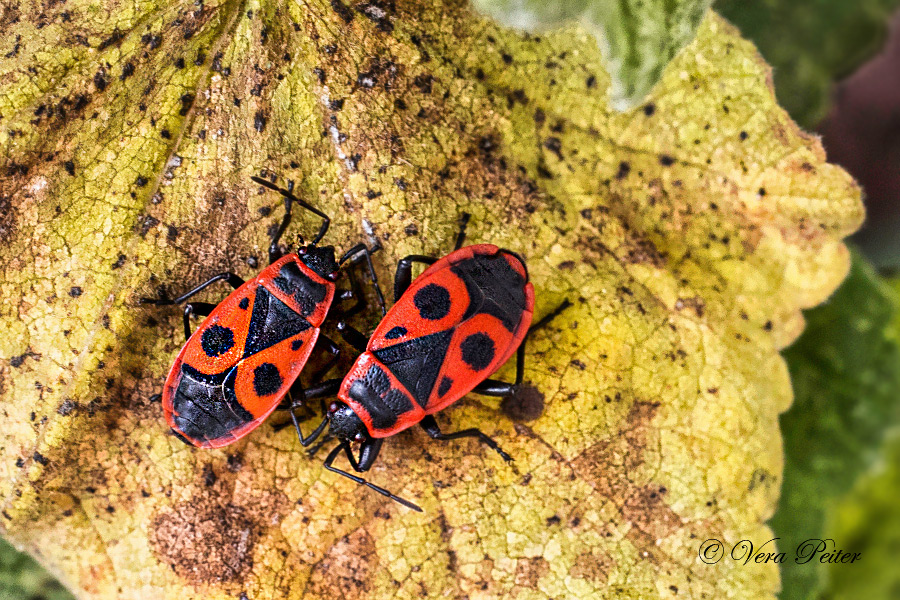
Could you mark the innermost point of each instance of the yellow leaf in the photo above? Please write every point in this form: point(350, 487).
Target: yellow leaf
point(689, 233)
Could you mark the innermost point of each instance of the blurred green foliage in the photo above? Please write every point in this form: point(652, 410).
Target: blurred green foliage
point(845, 370)
point(811, 44)
point(868, 519)
point(22, 578)
point(638, 37)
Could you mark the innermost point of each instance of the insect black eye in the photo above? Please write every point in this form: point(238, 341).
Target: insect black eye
point(333, 276)
point(301, 250)
point(359, 437)
point(332, 408)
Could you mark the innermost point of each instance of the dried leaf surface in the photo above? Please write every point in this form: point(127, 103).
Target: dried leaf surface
point(690, 232)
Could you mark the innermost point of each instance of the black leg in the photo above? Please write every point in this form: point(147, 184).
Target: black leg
point(354, 292)
point(353, 337)
point(306, 441)
point(232, 279)
point(550, 316)
point(494, 387)
point(403, 277)
point(368, 451)
point(201, 309)
point(297, 397)
point(328, 437)
point(354, 252)
point(431, 428)
point(335, 352)
point(289, 199)
point(461, 236)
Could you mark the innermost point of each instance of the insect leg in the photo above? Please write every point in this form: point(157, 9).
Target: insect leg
point(403, 277)
point(367, 253)
point(494, 387)
point(353, 337)
point(357, 467)
point(232, 279)
point(550, 316)
point(327, 388)
point(201, 309)
point(429, 424)
point(332, 360)
point(461, 236)
point(290, 198)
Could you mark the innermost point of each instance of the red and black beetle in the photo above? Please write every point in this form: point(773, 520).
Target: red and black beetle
point(451, 328)
point(247, 354)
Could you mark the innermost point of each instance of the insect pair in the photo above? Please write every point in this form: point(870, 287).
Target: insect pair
point(448, 330)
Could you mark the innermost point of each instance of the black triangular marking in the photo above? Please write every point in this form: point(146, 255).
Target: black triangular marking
point(417, 362)
point(271, 322)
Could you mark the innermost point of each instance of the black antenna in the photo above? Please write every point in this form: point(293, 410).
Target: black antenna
point(292, 198)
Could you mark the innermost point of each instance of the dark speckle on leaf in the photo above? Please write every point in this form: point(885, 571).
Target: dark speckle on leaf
point(187, 100)
point(100, 80)
point(342, 10)
point(259, 121)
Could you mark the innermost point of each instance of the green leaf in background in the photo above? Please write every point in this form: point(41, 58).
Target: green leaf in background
point(22, 578)
point(846, 375)
point(868, 520)
point(811, 44)
point(638, 38)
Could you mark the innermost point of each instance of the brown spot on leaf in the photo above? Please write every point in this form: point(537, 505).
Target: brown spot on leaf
point(610, 464)
point(348, 566)
point(595, 566)
point(695, 303)
point(647, 511)
point(642, 250)
point(205, 542)
point(530, 570)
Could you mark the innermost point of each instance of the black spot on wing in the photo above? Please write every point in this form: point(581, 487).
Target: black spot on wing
point(296, 344)
point(205, 405)
point(306, 292)
point(244, 303)
point(383, 402)
point(266, 379)
point(395, 333)
point(446, 384)
point(217, 340)
point(478, 351)
point(417, 362)
point(432, 302)
point(271, 321)
point(494, 287)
